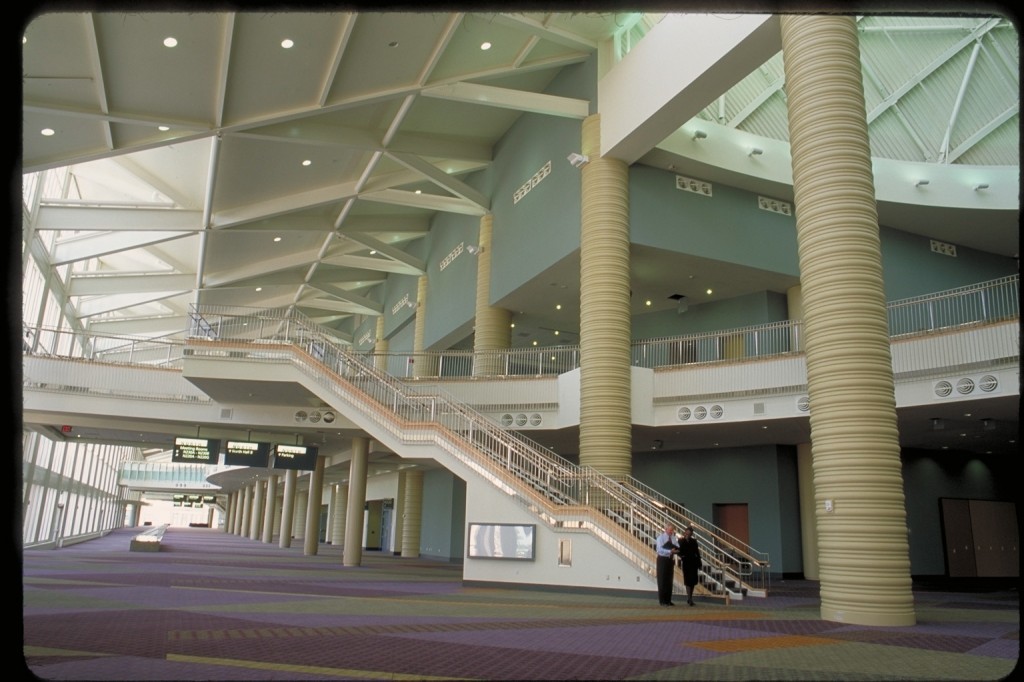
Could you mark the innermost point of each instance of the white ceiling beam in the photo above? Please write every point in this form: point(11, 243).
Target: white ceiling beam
point(224, 65)
point(321, 196)
point(108, 304)
point(108, 284)
point(102, 244)
point(387, 250)
point(127, 218)
point(370, 263)
point(348, 22)
point(430, 202)
point(709, 54)
point(263, 267)
point(366, 305)
point(506, 98)
point(930, 68)
point(97, 70)
point(554, 35)
point(338, 306)
point(441, 179)
point(170, 324)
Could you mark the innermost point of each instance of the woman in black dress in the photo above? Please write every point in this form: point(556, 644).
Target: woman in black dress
point(689, 556)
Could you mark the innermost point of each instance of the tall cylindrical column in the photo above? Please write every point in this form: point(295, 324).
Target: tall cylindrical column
point(864, 557)
point(412, 509)
point(257, 510)
point(380, 348)
point(299, 519)
point(424, 365)
point(287, 508)
point(316, 498)
point(246, 506)
point(356, 501)
point(605, 414)
point(268, 512)
point(493, 332)
point(340, 512)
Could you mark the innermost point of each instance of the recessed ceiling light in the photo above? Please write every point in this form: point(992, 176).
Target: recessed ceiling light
point(170, 42)
point(287, 43)
point(535, 343)
point(277, 239)
point(486, 45)
point(419, 191)
point(163, 129)
point(307, 162)
point(393, 43)
point(373, 252)
point(558, 306)
point(647, 302)
point(556, 332)
point(709, 292)
point(259, 288)
point(47, 132)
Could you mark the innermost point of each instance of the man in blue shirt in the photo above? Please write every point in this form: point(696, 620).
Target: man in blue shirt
point(667, 546)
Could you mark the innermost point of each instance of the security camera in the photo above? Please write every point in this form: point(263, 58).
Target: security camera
point(578, 160)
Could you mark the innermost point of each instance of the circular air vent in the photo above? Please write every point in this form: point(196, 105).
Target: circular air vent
point(716, 411)
point(943, 389)
point(803, 404)
point(328, 417)
point(520, 420)
point(988, 383)
point(506, 420)
point(700, 412)
point(965, 386)
point(314, 417)
point(535, 419)
point(301, 416)
point(684, 413)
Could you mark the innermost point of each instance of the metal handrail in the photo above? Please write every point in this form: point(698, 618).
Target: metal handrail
point(507, 458)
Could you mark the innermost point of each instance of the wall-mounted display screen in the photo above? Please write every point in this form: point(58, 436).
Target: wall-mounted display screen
point(196, 450)
point(243, 453)
point(501, 541)
point(302, 457)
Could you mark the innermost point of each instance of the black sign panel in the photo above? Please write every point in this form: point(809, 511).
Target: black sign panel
point(243, 453)
point(196, 450)
point(302, 457)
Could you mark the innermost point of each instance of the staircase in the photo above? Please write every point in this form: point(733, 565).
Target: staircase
point(625, 515)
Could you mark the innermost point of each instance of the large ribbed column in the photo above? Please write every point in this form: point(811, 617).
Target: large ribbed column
point(808, 522)
point(299, 518)
point(257, 510)
point(861, 517)
point(380, 348)
point(341, 507)
point(412, 512)
point(287, 508)
point(246, 506)
point(424, 365)
point(605, 419)
point(268, 512)
point(229, 527)
point(492, 332)
point(353, 553)
point(315, 502)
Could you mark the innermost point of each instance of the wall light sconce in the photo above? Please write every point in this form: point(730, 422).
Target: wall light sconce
point(755, 151)
point(578, 160)
point(921, 183)
point(980, 187)
point(657, 445)
point(938, 424)
point(410, 304)
point(988, 425)
point(474, 249)
point(699, 135)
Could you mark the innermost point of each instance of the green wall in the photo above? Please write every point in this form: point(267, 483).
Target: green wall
point(443, 533)
point(763, 477)
point(927, 477)
point(742, 311)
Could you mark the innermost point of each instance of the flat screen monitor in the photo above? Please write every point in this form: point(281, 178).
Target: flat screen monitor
point(196, 450)
point(516, 541)
point(243, 453)
point(301, 457)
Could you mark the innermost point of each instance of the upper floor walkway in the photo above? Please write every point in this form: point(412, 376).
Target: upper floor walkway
point(948, 348)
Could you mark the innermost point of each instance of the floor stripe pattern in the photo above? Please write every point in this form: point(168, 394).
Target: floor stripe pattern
point(213, 606)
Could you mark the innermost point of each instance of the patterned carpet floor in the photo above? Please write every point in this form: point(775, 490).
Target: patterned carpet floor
point(214, 606)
